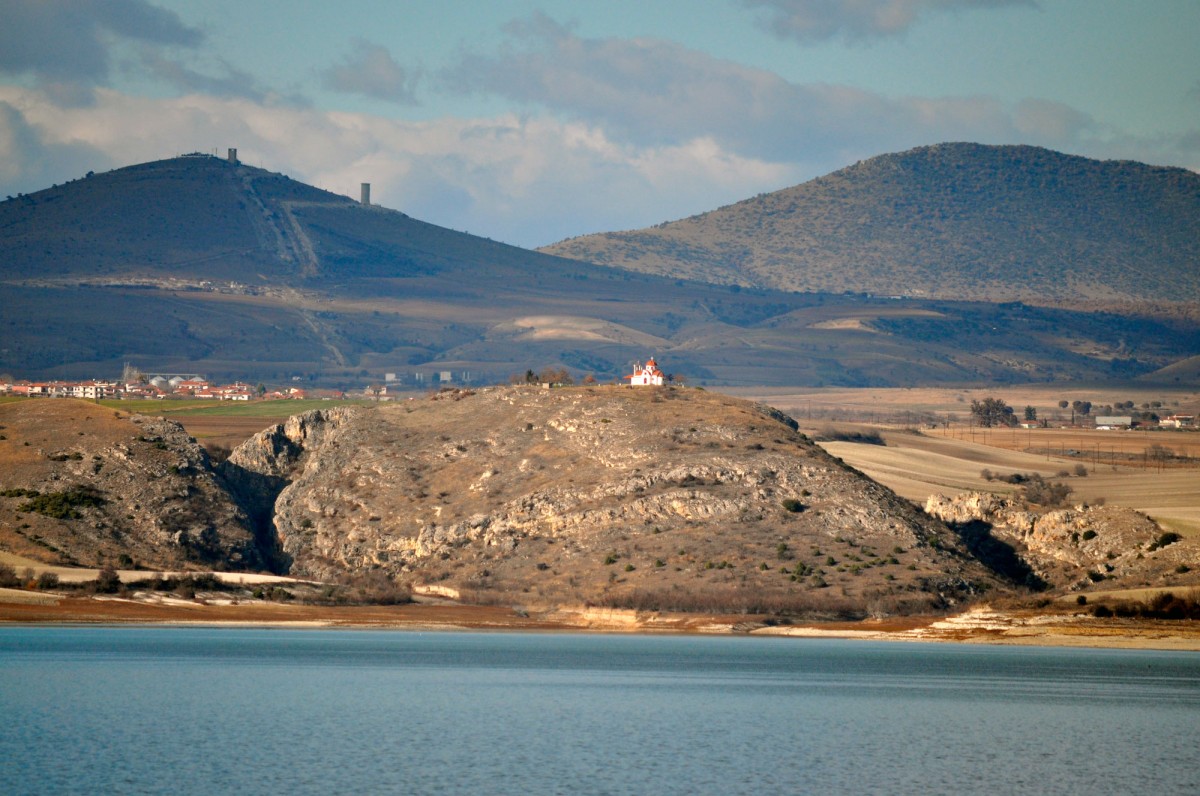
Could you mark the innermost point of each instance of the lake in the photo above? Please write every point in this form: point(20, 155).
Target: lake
point(149, 710)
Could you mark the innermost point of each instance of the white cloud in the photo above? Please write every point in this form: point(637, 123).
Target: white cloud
point(371, 71)
point(31, 160)
point(811, 21)
point(657, 93)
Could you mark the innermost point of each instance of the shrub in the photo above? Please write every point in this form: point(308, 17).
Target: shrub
point(793, 505)
point(20, 493)
point(64, 505)
point(1045, 493)
point(871, 437)
point(107, 581)
point(47, 580)
point(1165, 538)
point(1089, 534)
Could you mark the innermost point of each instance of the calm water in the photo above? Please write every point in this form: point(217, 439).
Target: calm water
point(157, 710)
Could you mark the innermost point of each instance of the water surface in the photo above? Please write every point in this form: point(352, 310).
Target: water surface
point(171, 710)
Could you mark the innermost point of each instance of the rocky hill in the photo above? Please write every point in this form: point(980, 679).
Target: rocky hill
point(84, 485)
point(952, 221)
point(669, 498)
point(616, 496)
point(1077, 548)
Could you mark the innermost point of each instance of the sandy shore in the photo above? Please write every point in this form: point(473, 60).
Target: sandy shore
point(979, 625)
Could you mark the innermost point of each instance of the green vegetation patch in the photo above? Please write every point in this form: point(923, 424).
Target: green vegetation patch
point(64, 505)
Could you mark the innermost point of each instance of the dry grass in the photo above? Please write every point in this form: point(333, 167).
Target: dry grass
point(949, 458)
point(916, 466)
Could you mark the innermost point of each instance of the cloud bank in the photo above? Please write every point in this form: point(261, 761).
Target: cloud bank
point(857, 21)
point(371, 71)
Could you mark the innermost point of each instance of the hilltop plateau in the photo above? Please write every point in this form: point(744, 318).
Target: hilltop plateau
point(203, 265)
point(952, 221)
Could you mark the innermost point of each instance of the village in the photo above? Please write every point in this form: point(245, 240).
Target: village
point(135, 385)
point(153, 388)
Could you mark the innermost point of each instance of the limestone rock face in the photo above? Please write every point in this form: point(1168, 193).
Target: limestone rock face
point(1075, 546)
point(529, 492)
point(114, 489)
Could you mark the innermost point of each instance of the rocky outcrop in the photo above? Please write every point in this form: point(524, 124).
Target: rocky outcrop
point(1076, 546)
point(258, 470)
point(577, 494)
point(85, 485)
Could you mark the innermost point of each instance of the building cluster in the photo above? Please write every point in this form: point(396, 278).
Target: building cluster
point(1118, 422)
point(156, 387)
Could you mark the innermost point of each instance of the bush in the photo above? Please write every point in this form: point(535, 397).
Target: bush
point(8, 577)
point(47, 580)
point(1164, 605)
point(1089, 534)
point(1164, 539)
point(1045, 493)
point(107, 581)
point(64, 505)
point(793, 505)
point(871, 437)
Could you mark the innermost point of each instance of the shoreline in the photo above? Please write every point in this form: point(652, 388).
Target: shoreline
point(976, 625)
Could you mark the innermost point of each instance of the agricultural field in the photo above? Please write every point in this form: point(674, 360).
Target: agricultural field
point(930, 445)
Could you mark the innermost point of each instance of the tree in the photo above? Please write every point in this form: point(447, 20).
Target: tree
point(1063, 404)
point(992, 412)
point(1030, 413)
point(552, 375)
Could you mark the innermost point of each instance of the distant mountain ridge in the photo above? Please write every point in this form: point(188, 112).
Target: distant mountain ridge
point(951, 221)
point(203, 265)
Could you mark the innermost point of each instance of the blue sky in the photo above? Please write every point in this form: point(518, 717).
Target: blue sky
point(530, 121)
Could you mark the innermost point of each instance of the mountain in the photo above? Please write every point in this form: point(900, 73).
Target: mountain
point(952, 221)
point(204, 265)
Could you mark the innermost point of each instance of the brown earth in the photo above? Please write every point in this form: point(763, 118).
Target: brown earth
point(979, 625)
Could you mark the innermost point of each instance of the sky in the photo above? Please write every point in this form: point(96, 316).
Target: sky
point(530, 121)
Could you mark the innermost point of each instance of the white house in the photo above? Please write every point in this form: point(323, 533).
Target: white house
point(647, 376)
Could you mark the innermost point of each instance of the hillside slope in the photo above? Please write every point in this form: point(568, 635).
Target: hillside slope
point(83, 485)
point(671, 497)
point(200, 265)
point(952, 221)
